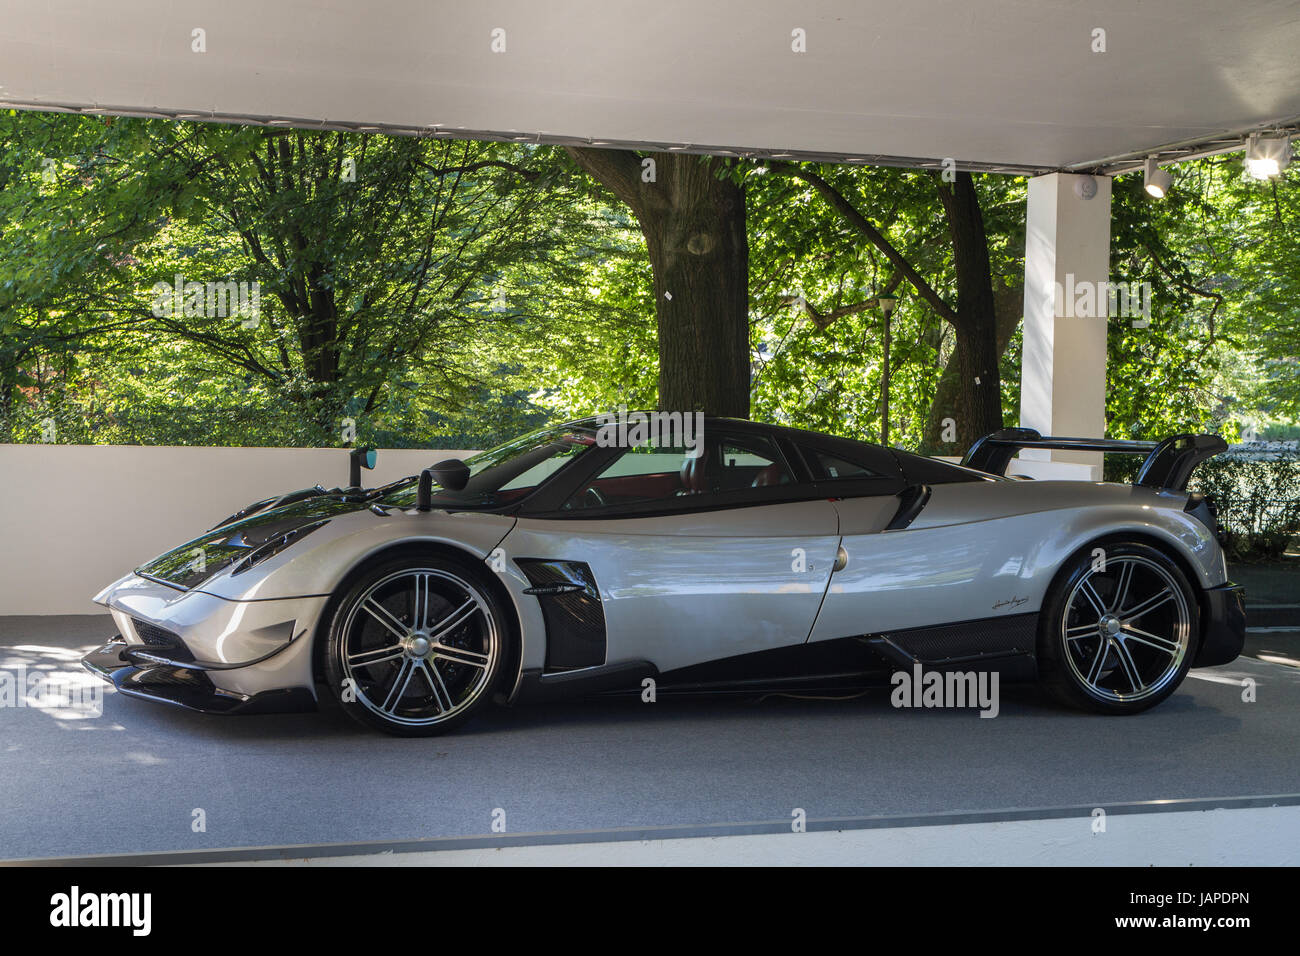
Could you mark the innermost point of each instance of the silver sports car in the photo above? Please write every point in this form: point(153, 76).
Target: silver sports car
point(758, 557)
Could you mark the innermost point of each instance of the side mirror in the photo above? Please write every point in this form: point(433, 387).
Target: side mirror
point(452, 474)
point(359, 458)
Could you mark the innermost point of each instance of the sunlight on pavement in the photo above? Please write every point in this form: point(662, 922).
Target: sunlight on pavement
point(50, 680)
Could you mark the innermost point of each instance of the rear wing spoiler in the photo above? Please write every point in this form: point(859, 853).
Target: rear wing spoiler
point(1168, 463)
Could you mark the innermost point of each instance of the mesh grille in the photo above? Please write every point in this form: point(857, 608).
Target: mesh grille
point(153, 635)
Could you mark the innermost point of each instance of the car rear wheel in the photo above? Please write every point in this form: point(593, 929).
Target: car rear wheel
point(1118, 631)
point(415, 646)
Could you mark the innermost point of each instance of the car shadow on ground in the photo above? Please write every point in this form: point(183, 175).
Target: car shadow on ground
point(330, 722)
point(146, 719)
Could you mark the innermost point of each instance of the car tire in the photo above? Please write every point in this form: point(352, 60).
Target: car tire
point(415, 645)
point(1118, 630)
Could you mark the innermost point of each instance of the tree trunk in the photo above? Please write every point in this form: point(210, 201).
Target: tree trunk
point(1008, 305)
point(694, 228)
point(973, 396)
point(977, 405)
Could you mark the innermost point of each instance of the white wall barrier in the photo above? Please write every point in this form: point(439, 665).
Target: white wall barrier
point(74, 518)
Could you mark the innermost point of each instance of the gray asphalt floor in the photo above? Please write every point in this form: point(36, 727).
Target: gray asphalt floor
point(142, 776)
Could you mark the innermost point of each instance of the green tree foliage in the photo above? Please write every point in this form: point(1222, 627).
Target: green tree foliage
point(393, 275)
point(819, 326)
point(452, 293)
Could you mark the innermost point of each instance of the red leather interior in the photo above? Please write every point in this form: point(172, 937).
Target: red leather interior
point(663, 485)
point(695, 477)
point(773, 474)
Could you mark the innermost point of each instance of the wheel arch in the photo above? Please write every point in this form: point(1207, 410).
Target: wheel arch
point(1164, 545)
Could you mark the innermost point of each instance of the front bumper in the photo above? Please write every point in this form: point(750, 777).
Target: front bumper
point(244, 647)
point(1223, 625)
point(137, 670)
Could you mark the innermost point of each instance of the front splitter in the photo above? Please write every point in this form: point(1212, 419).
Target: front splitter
point(187, 686)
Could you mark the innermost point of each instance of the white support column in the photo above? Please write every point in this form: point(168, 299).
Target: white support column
point(1063, 366)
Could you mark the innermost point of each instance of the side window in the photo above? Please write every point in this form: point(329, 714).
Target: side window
point(642, 473)
point(534, 476)
point(727, 463)
point(746, 462)
point(833, 467)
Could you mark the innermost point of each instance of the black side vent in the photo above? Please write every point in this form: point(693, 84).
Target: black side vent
point(571, 608)
point(969, 640)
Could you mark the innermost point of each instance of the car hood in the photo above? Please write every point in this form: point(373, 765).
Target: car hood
point(225, 546)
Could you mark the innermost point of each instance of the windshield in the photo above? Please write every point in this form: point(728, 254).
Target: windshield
point(507, 473)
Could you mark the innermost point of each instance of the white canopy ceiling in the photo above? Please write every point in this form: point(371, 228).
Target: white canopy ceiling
point(1001, 84)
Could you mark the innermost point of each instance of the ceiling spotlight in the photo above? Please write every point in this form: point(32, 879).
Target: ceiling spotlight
point(1267, 156)
point(1156, 180)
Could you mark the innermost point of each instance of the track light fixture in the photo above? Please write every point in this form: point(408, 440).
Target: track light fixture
point(1267, 155)
point(1156, 180)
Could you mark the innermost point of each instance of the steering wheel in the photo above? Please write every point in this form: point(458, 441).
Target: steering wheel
point(592, 498)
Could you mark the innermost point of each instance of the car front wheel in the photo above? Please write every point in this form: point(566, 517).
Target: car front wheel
point(415, 646)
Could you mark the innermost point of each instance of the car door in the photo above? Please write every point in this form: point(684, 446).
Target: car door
point(898, 575)
point(693, 559)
